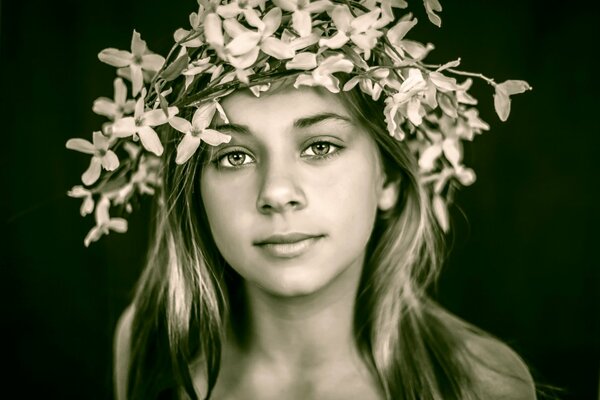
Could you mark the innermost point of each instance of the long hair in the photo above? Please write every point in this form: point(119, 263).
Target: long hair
point(183, 302)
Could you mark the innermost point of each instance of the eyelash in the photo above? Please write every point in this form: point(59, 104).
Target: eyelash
point(337, 148)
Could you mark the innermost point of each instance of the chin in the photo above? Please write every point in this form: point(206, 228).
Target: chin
point(290, 284)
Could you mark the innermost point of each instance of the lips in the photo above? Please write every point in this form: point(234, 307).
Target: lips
point(288, 246)
point(285, 238)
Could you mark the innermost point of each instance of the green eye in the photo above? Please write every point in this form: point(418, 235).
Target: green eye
point(233, 159)
point(322, 149)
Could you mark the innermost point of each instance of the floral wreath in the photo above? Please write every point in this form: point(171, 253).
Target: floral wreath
point(250, 44)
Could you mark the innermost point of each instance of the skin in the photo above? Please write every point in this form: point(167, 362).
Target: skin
point(302, 307)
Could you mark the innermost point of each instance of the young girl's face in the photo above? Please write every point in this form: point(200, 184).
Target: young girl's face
point(291, 200)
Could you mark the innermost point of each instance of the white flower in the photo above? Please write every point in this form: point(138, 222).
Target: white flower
point(241, 52)
point(198, 131)
point(102, 157)
point(362, 30)
point(87, 206)
point(104, 223)
point(323, 74)
point(416, 50)
point(301, 10)
point(115, 109)
point(266, 27)
point(405, 103)
point(140, 125)
point(236, 7)
point(138, 60)
point(369, 82)
point(193, 40)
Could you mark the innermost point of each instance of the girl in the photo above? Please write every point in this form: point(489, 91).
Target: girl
point(291, 263)
point(301, 206)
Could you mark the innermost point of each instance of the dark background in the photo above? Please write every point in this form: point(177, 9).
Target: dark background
point(524, 266)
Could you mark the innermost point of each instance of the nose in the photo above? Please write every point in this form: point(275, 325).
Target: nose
point(280, 191)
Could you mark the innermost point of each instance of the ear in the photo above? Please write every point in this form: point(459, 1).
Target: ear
point(388, 195)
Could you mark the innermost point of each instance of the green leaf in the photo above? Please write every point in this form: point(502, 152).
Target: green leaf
point(514, 87)
point(175, 68)
point(502, 96)
point(440, 211)
point(430, 7)
point(502, 104)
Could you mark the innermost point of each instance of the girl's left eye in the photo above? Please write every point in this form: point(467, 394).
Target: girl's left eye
point(322, 149)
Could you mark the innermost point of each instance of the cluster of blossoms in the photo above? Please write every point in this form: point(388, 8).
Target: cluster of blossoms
point(250, 44)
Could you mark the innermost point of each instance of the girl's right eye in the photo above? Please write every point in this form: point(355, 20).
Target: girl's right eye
point(233, 159)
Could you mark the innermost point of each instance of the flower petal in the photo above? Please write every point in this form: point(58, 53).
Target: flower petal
point(452, 151)
point(277, 48)
point(150, 140)
point(334, 42)
point(92, 174)
point(429, 156)
point(397, 33)
point(342, 17)
point(137, 79)
point(106, 107)
point(317, 7)
point(302, 61)
point(214, 138)
point(152, 62)
point(221, 112)
point(272, 20)
point(93, 235)
point(100, 141)
point(81, 145)
point(78, 191)
point(413, 111)
point(181, 124)
point(234, 28)
point(110, 161)
point(124, 127)
point(213, 30)
point(204, 115)
point(116, 58)
point(120, 91)
point(287, 5)
point(138, 46)
point(302, 22)
point(186, 148)
point(351, 83)
point(363, 22)
point(118, 224)
point(443, 82)
point(229, 10)
point(441, 213)
point(245, 60)
point(87, 206)
point(243, 43)
point(158, 116)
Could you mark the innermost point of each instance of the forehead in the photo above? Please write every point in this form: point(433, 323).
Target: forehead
point(281, 106)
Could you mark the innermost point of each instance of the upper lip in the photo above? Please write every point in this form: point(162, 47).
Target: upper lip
point(291, 237)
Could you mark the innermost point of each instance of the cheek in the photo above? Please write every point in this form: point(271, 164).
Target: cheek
point(226, 209)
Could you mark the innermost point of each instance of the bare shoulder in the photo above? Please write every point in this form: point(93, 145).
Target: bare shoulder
point(122, 350)
point(499, 372)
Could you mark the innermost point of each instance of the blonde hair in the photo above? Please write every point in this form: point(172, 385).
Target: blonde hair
point(184, 296)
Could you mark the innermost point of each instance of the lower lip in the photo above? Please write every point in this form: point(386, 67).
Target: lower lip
point(289, 250)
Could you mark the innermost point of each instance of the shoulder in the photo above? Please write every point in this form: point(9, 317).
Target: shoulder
point(122, 350)
point(499, 372)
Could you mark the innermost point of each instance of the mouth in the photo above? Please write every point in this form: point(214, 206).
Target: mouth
point(288, 246)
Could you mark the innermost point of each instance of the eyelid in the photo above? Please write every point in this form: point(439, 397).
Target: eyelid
point(217, 160)
point(322, 140)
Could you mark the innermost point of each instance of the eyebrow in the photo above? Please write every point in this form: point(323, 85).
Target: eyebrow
point(300, 123)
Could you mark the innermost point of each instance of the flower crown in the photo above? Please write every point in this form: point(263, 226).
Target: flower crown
point(252, 43)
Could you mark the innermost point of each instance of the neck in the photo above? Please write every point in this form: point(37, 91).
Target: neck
point(304, 331)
